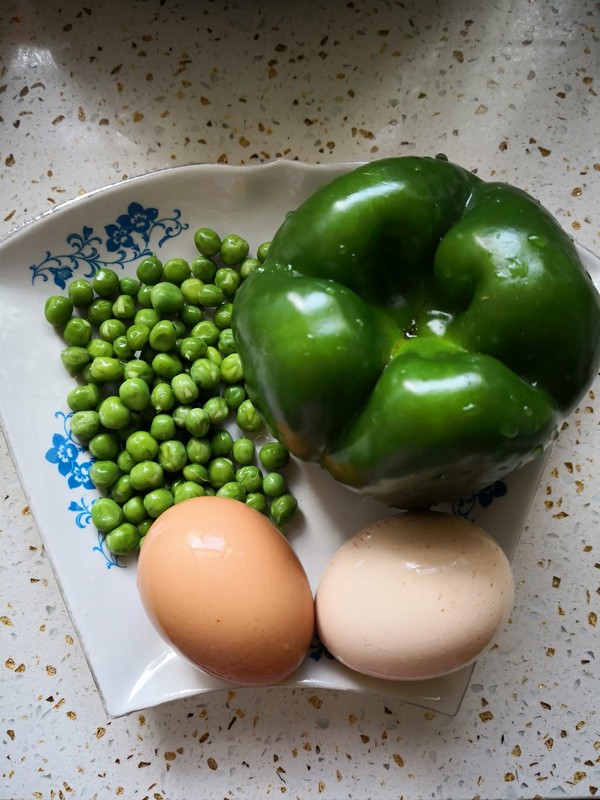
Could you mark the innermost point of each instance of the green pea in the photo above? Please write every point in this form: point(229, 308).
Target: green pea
point(144, 298)
point(221, 443)
point(273, 456)
point(180, 414)
point(162, 397)
point(172, 455)
point(213, 355)
point(226, 342)
point(234, 396)
point(84, 397)
point(162, 427)
point(146, 475)
point(190, 290)
point(106, 514)
point(197, 422)
point(167, 365)
point(234, 249)
point(250, 477)
point(207, 241)
point(58, 310)
point(243, 451)
point(248, 418)
point(192, 347)
point(146, 316)
point(138, 368)
point(262, 251)
point(129, 286)
point(124, 307)
point(85, 424)
point(77, 332)
point(283, 509)
point(176, 270)
point(122, 540)
point(180, 330)
point(100, 348)
point(141, 446)
point(223, 315)
point(122, 349)
point(150, 270)
point(199, 449)
point(143, 528)
point(184, 388)
point(81, 293)
point(74, 358)
point(167, 298)
point(248, 266)
point(111, 329)
point(231, 369)
point(122, 490)
point(217, 409)
point(233, 490)
point(191, 315)
point(205, 374)
point(273, 484)
point(163, 336)
point(209, 491)
point(137, 336)
point(210, 295)
point(186, 491)
point(134, 511)
point(196, 473)
point(228, 280)
point(207, 331)
point(106, 282)
point(125, 462)
point(157, 501)
point(113, 413)
point(135, 394)
point(85, 374)
point(99, 311)
point(106, 370)
point(257, 501)
point(220, 472)
point(104, 446)
point(103, 474)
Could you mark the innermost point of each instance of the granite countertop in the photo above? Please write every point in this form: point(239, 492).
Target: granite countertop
point(91, 94)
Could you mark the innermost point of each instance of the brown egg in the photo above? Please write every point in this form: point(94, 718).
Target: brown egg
point(223, 586)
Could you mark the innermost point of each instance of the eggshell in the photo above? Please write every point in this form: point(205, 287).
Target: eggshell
point(223, 586)
point(414, 596)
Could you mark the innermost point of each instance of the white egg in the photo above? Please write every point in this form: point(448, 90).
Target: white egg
point(414, 596)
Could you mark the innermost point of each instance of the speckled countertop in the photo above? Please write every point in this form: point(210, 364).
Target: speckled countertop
point(93, 93)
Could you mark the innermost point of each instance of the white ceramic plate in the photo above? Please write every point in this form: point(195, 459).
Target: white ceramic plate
point(115, 226)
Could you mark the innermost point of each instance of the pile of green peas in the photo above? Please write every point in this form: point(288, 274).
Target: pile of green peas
point(159, 379)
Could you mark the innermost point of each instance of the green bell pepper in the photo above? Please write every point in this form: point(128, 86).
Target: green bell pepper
point(419, 332)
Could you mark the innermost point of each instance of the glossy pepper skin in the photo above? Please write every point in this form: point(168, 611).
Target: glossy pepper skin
point(418, 331)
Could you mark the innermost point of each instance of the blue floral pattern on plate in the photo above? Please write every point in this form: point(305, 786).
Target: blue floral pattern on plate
point(127, 239)
point(73, 462)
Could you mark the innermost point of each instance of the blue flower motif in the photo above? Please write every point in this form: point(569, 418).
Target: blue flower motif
point(484, 497)
point(138, 218)
point(80, 476)
point(61, 275)
point(118, 238)
point(63, 452)
point(82, 511)
point(128, 239)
